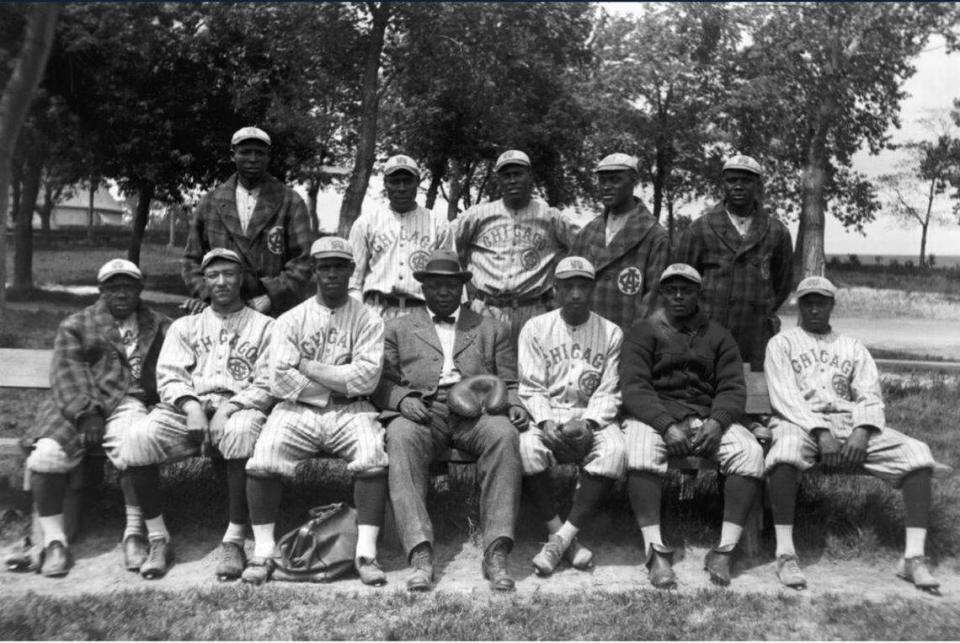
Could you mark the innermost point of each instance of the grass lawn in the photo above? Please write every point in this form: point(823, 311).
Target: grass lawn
point(242, 613)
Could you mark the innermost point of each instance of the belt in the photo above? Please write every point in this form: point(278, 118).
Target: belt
point(379, 298)
point(507, 301)
point(336, 398)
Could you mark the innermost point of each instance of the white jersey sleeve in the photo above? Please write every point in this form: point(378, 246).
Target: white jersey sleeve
point(176, 362)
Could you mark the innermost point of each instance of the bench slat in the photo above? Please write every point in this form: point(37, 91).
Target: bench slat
point(25, 368)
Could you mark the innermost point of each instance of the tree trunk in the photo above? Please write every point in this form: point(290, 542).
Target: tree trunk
point(313, 188)
point(14, 103)
point(94, 184)
point(23, 226)
point(456, 186)
point(436, 177)
point(46, 212)
point(812, 216)
point(369, 110)
point(145, 191)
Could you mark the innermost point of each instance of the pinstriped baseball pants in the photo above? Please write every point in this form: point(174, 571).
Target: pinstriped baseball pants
point(890, 454)
point(607, 456)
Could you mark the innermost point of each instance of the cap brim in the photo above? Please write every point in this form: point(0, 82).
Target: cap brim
point(463, 275)
point(574, 273)
point(332, 255)
point(500, 166)
point(408, 170)
point(816, 291)
point(120, 273)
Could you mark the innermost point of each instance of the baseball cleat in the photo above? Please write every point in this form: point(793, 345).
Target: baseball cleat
point(717, 563)
point(134, 552)
point(546, 561)
point(914, 570)
point(56, 560)
point(232, 561)
point(788, 571)
point(494, 567)
point(660, 564)
point(370, 572)
point(158, 560)
point(578, 556)
point(258, 570)
point(420, 578)
point(25, 557)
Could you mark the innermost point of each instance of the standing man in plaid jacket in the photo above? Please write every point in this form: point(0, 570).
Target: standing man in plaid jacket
point(263, 221)
point(626, 245)
point(746, 259)
point(102, 379)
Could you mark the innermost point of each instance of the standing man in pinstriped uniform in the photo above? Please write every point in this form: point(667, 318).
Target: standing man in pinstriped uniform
point(391, 243)
point(568, 362)
point(326, 356)
point(627, 246)
point(213, 382)
point(511, 246)
point(683, 393)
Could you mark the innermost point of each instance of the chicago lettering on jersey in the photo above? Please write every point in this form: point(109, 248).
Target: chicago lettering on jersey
point(319, 345)
point(507, 232)
point(813, 356)
point(245, 349)
point(564, 353)
point(383, 241)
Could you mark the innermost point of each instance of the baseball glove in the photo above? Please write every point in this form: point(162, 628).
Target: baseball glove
point(473, 396)
point(577, 437)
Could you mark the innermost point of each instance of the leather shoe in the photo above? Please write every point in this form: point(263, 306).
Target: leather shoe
point(158, 560)
point(258, 570)
point(494, 566)
point(660, 564)
point(578, 556)
point(232, 561)
point(370, 572)
point(420, 578)
point(56, 560)
point(134, 552)
point(717, 563)
point(915, 570)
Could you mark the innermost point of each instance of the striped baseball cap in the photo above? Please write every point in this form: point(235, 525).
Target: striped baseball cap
point(220, 253)
point(743, 162)
point(401, 163)
point(816, 286)
point(682, 270)
point(512, 157)
point(616, 162)
point(331, 248)
point(116, 267)
point(249, 133)
point(570, 267)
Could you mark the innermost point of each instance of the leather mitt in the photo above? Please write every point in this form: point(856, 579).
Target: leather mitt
point(578, 438)
point(473, 396)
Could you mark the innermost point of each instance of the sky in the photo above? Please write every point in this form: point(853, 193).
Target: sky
point(926, 97)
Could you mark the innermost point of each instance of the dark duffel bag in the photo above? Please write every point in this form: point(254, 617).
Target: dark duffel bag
point(320, 550)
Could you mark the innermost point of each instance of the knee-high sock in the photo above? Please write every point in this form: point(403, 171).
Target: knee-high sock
point(263, 497)
point(49, 490)
point(539, 489)
point(146, 488)
point(370, 498)
point(591, 490)
point(783, 481)
point(237, 491)
point(916, 500)
point(645, 490)
point(134, 514)
point(739, 494)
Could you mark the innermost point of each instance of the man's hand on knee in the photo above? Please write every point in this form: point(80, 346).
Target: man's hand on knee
point(854, 451)
point(414, 410)
point(197, 423)
point(707, 438)
point(91, 428)
point(678, 445)
point(219, 420)
point(829, 449)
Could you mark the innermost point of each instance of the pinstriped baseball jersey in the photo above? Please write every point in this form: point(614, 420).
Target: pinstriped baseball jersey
point(210, 355)
point(349, 337)
point(389, 246)
point(564, 368)
point(512, 252)
point(827, 381)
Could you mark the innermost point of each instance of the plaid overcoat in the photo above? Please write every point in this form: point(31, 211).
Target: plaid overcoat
point(90, 372)
point(745, 279)
point(629, 268)
point(275, 249)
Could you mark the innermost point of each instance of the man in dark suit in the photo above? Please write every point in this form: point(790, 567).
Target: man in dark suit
point(425, 354)
point(263, 221)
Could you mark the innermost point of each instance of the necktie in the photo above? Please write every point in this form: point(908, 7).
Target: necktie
point(439, 319)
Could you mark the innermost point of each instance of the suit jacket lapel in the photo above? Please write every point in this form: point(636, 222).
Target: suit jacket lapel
point(227, 210)
point(424, 330)
point(639, 224)
point(105, 326)
point(268, 202)
point(723, 228)
point(758, 230)
point(466, 332)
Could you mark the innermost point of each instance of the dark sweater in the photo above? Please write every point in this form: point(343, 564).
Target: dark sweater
point(669, 373)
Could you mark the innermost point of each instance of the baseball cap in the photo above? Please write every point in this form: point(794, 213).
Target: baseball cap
point(220, 253)
point(247, 133)
point(615, 162)
point(570, 267)
point(512, 157)
point(331, 247)
point(443, 263)
point(743, 162)
point(116, 267)
point(682, 270)
point(401, 162)
point(816, 286)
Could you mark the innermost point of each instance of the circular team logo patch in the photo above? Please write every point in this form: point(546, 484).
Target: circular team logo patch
point(588, 382)
point(529, 259)
point(239, 368)
point(275, 240)
point(629, 280)
point(840, 386)
point(418, 260)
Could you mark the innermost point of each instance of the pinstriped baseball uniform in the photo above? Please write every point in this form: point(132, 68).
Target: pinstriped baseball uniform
point(831, 381)
point(350, 338)
point(388, 246)
point(215, 359)
point(571, 372)
point(739, 453)
point(512, 253)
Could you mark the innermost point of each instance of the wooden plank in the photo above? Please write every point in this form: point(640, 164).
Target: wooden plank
point(25, 367)
point(758, 397)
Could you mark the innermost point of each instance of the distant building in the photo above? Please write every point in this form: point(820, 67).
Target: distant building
point(74, 212)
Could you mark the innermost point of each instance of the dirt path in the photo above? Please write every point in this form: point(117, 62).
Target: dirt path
point(99, 570)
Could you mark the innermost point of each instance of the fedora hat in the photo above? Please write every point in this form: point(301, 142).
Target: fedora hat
point(443, 263)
